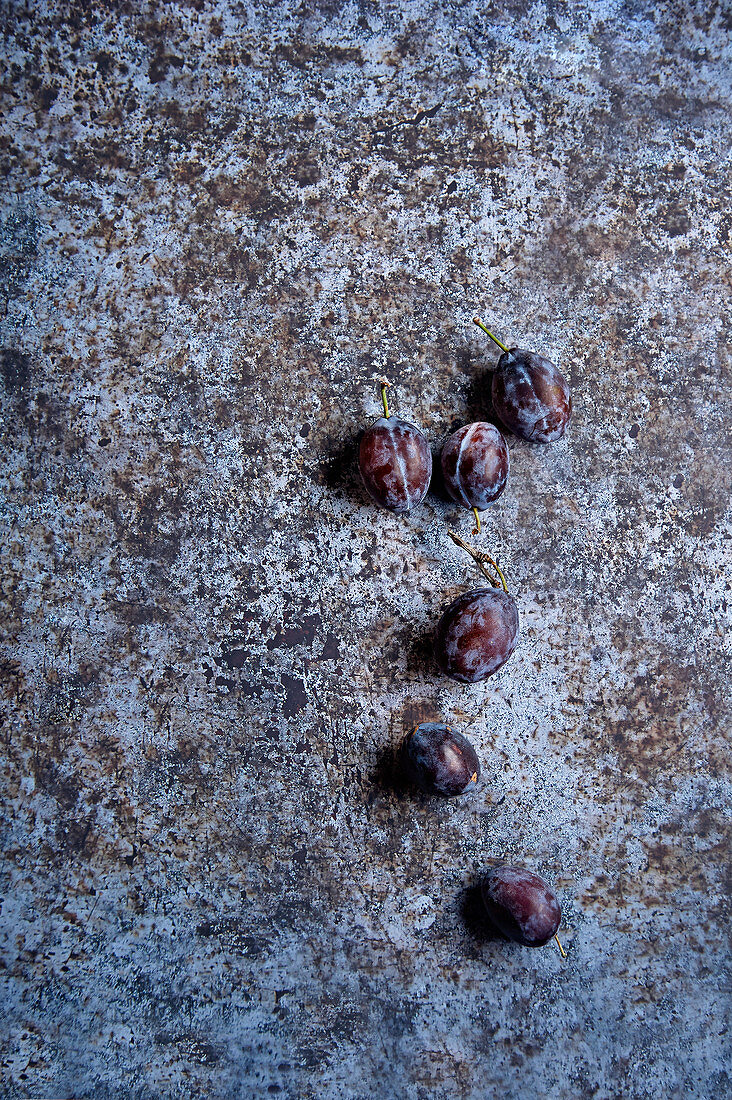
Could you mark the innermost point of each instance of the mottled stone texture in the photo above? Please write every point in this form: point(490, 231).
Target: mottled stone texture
point(220, 223)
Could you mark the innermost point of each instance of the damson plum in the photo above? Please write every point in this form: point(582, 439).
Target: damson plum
point(475, 466)
point(521, 905)
point(477, 634)
point(530, 395)
point(395, 462)
point(440, 760)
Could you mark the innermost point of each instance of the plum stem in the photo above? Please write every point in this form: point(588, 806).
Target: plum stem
point(476, 529)
point(384, 386)
point(562, 952)
point(481, 559)
point(477, 321)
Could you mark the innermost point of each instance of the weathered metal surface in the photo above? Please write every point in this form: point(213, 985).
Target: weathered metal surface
point(220, 224)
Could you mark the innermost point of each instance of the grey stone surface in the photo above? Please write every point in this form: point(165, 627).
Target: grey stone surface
point(220, 224)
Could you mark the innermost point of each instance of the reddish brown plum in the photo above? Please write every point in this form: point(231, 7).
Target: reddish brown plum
point(395, 463)
point(521, 905)
point(440, 760)
point(531, 396)
point(477, 634)
point(475, 465)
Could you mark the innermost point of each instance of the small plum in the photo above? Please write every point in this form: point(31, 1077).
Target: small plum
point(395, 462)
point(477, 634)
point(440, 760)
point(521, 905)
point(530, 395)
point(475, 466)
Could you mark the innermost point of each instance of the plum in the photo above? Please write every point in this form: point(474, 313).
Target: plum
point(530, 395)
point(477, 634)
point(395, 462)
point(440, 760)
point(475, 466)
point(521, 905)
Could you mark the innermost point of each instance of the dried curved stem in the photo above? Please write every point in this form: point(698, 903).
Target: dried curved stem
point(481, 559)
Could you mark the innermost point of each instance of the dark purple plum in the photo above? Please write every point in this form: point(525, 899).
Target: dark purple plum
point(440, 760)
point(395, 462)
point(475, 465)
point(521, 905)
point(530, 395)
point(477, 634)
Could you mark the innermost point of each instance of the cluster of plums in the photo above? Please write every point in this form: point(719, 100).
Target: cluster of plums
point(477, 632)
point(530, 397)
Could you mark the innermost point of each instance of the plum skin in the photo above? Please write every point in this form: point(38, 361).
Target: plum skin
point(521, 904)
point(475, 465)
point(476, 634)
point(440, 760)
point(531, 396)
point(395, 462)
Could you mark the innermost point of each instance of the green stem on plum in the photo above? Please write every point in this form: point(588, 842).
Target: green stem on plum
point(481, 559)
point(477, 321)
point(562, 952)
point(385, 403)
point(476, 529)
